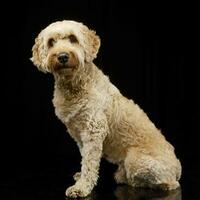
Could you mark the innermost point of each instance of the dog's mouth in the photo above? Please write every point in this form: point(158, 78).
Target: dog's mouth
point(62, 66)
point(66, 67)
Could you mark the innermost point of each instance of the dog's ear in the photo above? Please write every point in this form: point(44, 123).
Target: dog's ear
point(91, 43)
point(38, 53)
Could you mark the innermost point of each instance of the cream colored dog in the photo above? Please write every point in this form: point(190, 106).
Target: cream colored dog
point(102, 121)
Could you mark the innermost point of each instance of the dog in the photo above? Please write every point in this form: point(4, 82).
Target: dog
point(98, 117)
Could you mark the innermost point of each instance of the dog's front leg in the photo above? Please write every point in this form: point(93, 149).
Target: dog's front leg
point(92, 144)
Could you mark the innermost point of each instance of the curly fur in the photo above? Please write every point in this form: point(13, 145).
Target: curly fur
point(102, 121)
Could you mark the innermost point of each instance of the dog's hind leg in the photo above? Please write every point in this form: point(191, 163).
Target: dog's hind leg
point(144, 170)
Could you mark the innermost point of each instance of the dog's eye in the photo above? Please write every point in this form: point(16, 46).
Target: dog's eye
point(51, 42)
point(73, 39)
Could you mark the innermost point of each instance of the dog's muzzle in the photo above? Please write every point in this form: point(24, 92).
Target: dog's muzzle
point(63, 58)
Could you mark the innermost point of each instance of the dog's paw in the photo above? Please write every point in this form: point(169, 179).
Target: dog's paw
point(76, 191)
point(77, 176)
point(120, 177)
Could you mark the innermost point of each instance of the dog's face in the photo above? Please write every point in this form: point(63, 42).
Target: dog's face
point(64, 45)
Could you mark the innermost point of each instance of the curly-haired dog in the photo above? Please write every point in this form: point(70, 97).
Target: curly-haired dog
point(102, 121)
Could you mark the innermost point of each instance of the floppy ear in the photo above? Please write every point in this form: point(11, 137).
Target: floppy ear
point(91, 43)
point(38, 54)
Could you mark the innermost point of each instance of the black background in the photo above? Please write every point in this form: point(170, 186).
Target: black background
point(149, 51)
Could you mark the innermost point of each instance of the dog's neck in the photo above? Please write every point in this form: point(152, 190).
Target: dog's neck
point(74, 85)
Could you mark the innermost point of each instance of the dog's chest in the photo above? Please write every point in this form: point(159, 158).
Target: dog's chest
point(67, 109)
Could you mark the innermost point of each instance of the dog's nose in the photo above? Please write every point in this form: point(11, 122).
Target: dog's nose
point(63, 57)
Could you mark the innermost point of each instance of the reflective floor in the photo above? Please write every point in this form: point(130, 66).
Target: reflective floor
point(119, 193)
point(128, 193)
point(52, 185)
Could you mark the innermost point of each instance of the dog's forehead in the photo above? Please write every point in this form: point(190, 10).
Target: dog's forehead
point(63, 28)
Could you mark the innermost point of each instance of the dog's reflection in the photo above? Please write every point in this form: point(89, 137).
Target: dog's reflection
point(129, 193)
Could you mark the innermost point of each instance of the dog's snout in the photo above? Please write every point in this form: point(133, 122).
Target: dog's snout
point(63, 57)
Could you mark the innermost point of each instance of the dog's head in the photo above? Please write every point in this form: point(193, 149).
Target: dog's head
point(64, 45)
